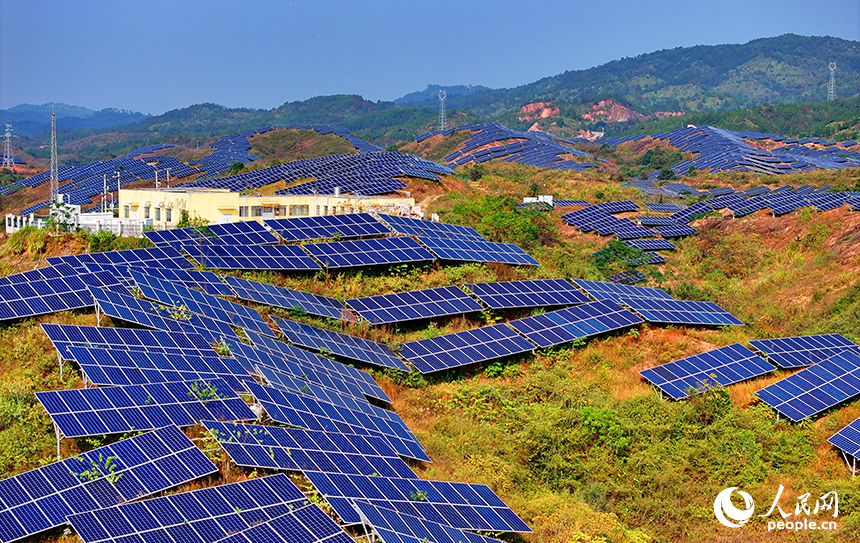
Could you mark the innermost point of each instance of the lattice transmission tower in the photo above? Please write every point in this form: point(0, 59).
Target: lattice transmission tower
point(831, 88)
point(443, 96)
point(55, 177)
point(8, 159)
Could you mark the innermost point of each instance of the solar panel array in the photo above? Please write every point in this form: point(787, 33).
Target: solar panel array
point(154, 257)
point(848, 439)
point(205, 281)
point(681, 312)
point(651, 244)
point(308, 524)
point(464, 348)
point(66, 336)
point(287, 298)
point(478, 251)
point(234, 233)
point(252, 257)
point(117, 410)
point(459, 505)
point(531, 293)
point(611, 291)
point(46, 497)
point(394, 526)
point(344, 345)
point(369, 252)
point(565, 325)
point(698, 373)
point(816, 388)
point(430, 229)
point(797, 352)
point(415, 304)
point(353, 225)
point(209, 514)
point(679, 231)
point(32, 298)
point(294, 449)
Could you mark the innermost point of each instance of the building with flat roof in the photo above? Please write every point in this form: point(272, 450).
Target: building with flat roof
point(164, 206)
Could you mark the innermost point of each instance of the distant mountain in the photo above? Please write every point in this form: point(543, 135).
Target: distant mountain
point(29, 119)
point(787, 68)
point(430, 95)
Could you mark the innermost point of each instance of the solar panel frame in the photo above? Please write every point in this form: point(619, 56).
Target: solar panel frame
point(307, 524)
point(681, 312)
point(153, 257)
point(65, 336)
point(51, 295)
point(369, 252)
point(573, 323)
point(801, 351)
point(414, 305)
point(391, 525)
point(252, 257)
point(478, 251)
point(287, 298)
point(347, 226)
point(848, 439)
point(527, 293)
point(430, 229)
point(601, 290)
point(716, 368)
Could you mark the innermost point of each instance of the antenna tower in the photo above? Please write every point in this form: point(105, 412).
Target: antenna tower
point(8, 159)
point(55, 177)
point(443, 96)
point(831, 88)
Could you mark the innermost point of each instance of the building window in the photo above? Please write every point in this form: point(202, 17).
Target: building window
point(243, 211)
point(318, 210)
point(146, 212)
point(325, 210)
point(257, 211)
point(157, 213)
point(299, 211)
point(125, 211)
point(167, 213)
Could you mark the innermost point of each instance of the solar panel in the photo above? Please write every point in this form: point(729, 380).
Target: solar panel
point(368, 252)
point(294, 449)
point(350, 417)
point(797, 352)
point(116, 410)
point(153, 257)
point(618, 207)
point(479, 251)
point(205, 281)
point(458, 505)
point(698, 373)
point(354, 225)
point(391, 525)
point(627, 278)
point(185, 299)
point(65, 336)
point(611, 291)
point(252, 257)
point(415, 304)
point(242, 233)
point(848, 439)
point(686, 215)
point(51, 295)
point(531, 293)
point(208, 514)
point(40, 274)
point(654, 221)
point(307, 524)
point(463, 348)
point(151, 315)
point(681, 312)
point(816, 388)
point(145, 464)
point(430, 229)
point(573, 323)
point(651, 244)
point(648, 257)
point(288, 298)
point(663, 208)
point(632, 232)
point(569, 203)
point(345, 345)
point(678, 231)
point(132, 367)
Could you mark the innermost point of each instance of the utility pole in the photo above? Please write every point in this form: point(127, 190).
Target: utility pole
point(443, 96)
point(55, 175)
point(8, 159)
point(831, 88)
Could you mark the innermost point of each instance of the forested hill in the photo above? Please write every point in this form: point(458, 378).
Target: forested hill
point(786, 68)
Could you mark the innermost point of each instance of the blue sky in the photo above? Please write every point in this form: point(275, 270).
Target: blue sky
point(160, 55)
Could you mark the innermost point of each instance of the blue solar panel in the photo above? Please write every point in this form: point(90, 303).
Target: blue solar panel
point(45, 497)
point(479, 251)
point(189, 300)
point(663, 208)
point(355, 225)
point(698, 373)
point(573, 323)
point(431, 229)
point(150, 315)
point(50, 295)
point(681, 312)
point(532, 293)
point(117, 410)
point(40, 274)
point(463, 348)
point(618, 207)
point(459, 505)
point(678, 231)
point(306, 524)
point(611, 291)
point(655, 221)
point(294, 449)
point(118, 366)
point(206, 281)
point(154, 257)
point(253, 257)
point(651, 244)
point(686, 215)
point(816, 388)
point(848, 439)
point(348, 417)
point(65, 336)
point(627, 278)
point(209, 514)
point(391, 525)
point(345, 345)
point(369, 252)
point(288, 298)
point(797, 352)
point(415, 304)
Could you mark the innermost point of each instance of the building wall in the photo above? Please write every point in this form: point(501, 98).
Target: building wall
point(220, 206)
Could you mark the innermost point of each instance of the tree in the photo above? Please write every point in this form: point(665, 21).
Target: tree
point(666, 175)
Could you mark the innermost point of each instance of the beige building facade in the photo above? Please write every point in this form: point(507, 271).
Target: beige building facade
point(217, 206)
